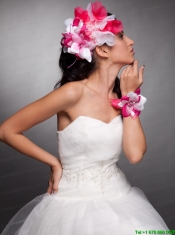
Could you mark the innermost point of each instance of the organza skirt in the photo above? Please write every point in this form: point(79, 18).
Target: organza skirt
point(85, 210)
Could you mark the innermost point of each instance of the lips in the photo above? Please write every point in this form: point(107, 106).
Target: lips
point(132, 51)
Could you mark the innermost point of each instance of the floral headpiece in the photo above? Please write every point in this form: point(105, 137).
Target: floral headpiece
point(89, 28)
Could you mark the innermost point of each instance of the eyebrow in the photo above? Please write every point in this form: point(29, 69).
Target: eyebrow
point(121, 32)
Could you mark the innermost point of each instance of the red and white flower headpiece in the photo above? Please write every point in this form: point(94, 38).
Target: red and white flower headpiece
point(89, 28)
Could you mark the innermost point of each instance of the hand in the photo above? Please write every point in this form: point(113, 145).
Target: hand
point(55, 176)
point(130, 78)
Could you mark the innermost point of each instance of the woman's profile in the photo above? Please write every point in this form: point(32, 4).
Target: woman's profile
point(97, 118)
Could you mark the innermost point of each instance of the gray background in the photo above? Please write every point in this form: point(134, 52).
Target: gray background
point(29, 52)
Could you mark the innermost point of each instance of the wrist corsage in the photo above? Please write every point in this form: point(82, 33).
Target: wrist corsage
point(131, 104)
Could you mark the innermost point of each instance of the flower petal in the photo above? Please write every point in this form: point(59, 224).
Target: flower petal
point(76, 21)
point(74, 48)
point(133, 96)
point(104, 37)
point(102, 23)
point(114, 26)
point(89, 10)
point(140, 105)
point(98, 10)
point(82, 14)
point(68, 22)
point(92, 45)
point(116, 103)
point(126, 110)
point(76, 38)
point(85, 54)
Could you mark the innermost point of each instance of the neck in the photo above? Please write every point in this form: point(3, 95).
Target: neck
point(103, 79)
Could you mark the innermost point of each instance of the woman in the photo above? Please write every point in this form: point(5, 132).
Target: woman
point(98, 114)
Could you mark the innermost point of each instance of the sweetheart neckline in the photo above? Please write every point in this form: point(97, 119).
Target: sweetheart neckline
point(89, 118)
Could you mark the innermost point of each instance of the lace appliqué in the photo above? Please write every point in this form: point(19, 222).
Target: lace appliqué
point(100, 175)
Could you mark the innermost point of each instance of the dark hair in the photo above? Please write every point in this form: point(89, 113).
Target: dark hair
point(80, 70)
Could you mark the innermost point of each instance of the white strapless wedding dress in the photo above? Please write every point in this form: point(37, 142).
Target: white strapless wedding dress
point(94, 197)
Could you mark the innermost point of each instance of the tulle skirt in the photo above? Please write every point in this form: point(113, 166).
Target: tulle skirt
point(51, 214)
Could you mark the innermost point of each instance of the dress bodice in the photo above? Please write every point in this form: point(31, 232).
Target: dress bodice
point(88, 142)
point(89, 150)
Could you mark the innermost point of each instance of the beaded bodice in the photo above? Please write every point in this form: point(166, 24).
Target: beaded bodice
point(89, 150)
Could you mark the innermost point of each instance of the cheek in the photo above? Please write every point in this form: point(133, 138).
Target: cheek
point(123, 48)
point(119, 52)
point(119, 48)
point(124, 51)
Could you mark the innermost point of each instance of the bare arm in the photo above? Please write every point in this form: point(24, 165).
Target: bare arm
point(34, 113)
point(134, 141)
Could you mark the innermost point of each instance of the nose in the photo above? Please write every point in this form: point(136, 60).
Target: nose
point(130, 41)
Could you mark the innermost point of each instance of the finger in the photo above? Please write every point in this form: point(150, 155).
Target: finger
point(55, 181)
point(129, 67)
point(55, 186)
point(128, 71)
point(135, 68)
point(49, 189)
point(141, 71)
point(123, 73)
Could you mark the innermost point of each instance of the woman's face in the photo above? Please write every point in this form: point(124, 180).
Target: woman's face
point(121, 53)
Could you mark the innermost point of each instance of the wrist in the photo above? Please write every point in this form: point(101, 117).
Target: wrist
point(137, 91)
point(56, 164)
point(125, 93)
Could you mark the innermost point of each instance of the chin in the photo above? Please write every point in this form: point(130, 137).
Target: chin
point(131, 60)
point(128, 61)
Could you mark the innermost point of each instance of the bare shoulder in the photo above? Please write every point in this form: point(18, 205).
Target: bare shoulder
point(73, 88)
point(71, 92)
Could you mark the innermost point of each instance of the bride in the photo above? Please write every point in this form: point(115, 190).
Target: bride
point(98, 116)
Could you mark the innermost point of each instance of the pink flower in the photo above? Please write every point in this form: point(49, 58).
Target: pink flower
point(82, 14)
point(131, 104)
point(78, 45)
point(98, 10)
point(114, 26)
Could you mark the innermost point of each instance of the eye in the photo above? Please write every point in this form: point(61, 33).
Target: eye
point(121, 35)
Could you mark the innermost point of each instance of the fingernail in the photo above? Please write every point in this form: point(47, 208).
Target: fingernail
point(143, 66)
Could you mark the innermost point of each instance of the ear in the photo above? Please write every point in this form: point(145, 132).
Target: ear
point(102, 51)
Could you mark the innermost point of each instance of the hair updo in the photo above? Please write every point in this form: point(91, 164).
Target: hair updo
point(80, 70)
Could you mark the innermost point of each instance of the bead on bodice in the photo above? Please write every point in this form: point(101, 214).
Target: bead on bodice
point(99, 175)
